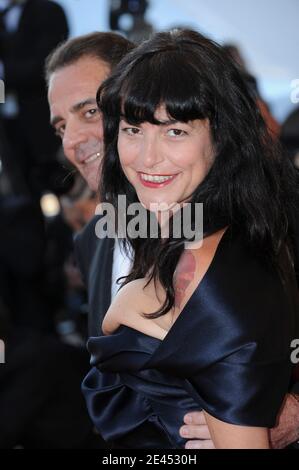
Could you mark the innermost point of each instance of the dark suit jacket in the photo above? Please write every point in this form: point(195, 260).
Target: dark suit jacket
point(41, 28)
point(95, 259)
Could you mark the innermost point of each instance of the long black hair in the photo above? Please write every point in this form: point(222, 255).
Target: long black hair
point(249, 186)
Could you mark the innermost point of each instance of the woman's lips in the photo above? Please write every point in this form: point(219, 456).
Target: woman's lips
point(155, 181)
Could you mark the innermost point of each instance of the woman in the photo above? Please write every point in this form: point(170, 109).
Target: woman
point(194, 327)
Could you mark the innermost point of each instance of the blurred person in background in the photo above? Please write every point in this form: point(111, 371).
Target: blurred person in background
point(235, 54)
point(29, 30)
point(22, 245)
point(79, 204)
point(41, 405)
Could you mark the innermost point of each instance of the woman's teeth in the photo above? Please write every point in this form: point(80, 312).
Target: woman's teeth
point(155, 178)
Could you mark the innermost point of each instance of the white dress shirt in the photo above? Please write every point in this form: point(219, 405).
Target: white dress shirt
point(121, 267)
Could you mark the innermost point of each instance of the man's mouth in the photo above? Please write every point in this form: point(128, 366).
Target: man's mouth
point(91, 158)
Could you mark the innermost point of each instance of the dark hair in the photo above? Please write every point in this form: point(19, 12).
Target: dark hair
point(109, 47)
point(250, 187)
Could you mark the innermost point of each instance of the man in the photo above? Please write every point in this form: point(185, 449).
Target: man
point(74, 72)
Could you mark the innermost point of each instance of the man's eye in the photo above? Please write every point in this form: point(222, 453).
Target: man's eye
point(176, 132)
point(130, 130)
point(59, 131)
point(91, 112)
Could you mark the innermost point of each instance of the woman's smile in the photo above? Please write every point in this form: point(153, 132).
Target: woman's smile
point(156, 181)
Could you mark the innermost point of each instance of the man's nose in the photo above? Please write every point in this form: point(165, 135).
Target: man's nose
point(151, 152)
point(73, 136)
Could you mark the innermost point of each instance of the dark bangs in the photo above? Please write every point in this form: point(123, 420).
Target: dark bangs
point(166, 78)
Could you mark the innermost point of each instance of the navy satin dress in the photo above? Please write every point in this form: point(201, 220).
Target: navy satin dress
point(228, 353)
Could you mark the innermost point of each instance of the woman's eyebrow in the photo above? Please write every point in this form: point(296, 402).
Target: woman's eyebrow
point(167, 122)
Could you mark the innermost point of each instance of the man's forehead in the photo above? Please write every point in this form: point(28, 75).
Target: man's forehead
point(88, 69)
point(76, 85)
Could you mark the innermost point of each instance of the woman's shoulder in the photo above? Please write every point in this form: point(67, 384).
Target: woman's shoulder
point(229, 264)
point(241, 299)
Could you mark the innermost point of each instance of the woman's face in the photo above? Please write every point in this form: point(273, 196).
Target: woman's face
point(165, 163)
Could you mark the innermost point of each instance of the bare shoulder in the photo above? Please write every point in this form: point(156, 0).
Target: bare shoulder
point(192, 267)
point(204, 254)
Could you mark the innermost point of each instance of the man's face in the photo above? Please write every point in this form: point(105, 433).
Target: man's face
point(75, 115)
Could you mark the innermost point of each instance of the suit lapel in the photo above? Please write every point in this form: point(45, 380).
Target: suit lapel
point(99, 284)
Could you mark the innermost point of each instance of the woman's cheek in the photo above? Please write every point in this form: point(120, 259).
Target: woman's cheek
point(127, 151)
point(122, 151)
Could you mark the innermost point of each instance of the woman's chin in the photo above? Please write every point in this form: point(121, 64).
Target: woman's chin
point(154, 203)
point(157, 205)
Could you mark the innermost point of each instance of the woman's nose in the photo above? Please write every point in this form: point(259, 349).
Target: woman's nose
point(151, 152)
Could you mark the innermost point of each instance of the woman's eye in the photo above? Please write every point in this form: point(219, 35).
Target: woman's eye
point(130, 130)
point(176, 132)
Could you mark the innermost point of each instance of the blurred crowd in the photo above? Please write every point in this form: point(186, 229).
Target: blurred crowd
point(42, 299)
